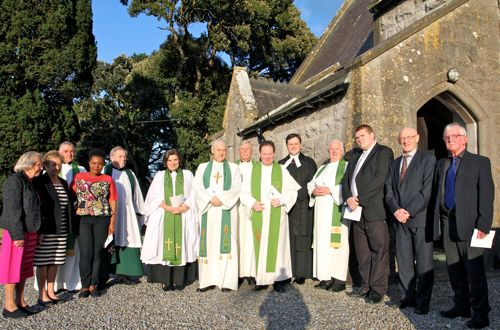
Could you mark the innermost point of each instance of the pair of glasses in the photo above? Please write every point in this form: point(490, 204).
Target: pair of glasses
point(404, 138)
point(452, 137)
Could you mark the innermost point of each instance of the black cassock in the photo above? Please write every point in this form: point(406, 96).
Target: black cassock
point(301, 218)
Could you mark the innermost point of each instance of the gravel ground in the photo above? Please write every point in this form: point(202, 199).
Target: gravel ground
point(146, 306)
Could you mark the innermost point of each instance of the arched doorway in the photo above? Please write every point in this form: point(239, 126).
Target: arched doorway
point(434, 115)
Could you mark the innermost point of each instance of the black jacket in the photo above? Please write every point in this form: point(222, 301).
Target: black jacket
point(51, 208)
point(370, 180)
point(21, 206)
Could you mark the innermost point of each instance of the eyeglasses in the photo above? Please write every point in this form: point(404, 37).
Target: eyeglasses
point(452, 137)
point(402, 139)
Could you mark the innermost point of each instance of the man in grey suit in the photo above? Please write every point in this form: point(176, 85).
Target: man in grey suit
point(464, 192)
point(407, 193)
point(363, 186)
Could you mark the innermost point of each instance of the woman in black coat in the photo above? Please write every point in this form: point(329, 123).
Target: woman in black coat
point(57, 215)
point(21, 220)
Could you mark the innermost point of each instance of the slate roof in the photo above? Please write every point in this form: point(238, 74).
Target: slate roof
point(270, 95)
point(349, 35)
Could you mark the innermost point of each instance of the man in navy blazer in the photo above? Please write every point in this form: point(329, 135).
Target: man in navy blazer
point(363, 186)
point(407, 193)
point(464, 195)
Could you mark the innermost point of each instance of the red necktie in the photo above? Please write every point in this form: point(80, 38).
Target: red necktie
point(404, 167)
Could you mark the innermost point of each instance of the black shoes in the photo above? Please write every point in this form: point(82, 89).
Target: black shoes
point(259, 288)
point(208, 288)
point(357, 293)
point(18, 313)
point(45, 304)
point(31, 310)
point(299, 280)
point(455, 312)
point(225, 290)
point(373, 298)
point(478, 322)
point(323, 285)
point(84, 294)
point(336, 287)
point(96, 293)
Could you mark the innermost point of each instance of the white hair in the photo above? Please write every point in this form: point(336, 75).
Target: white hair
point(26, 161)
point(67, 143)
point(117, 148)
point(216, 143)
point(339, 142)
point(460, 127)
point(243, 142)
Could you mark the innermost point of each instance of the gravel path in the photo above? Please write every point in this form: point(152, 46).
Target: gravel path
point(146, 306)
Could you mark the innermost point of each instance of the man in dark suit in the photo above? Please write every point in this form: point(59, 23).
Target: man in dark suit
point(363, 186)
point(464, 195)
point(407, 193)
point(302, 169)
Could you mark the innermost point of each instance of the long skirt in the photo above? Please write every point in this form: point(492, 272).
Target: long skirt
point(16, 264)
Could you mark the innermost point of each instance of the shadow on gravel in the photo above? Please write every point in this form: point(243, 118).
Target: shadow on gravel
point(285, 310)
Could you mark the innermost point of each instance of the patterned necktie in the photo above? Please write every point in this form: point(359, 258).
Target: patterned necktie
point(449, 185)
point(404, 167)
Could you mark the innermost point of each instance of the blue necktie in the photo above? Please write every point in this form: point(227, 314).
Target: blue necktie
point(449, 185)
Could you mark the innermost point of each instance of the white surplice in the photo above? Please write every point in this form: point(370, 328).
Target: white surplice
point(327, 261)
point(68, 275)
point(290, 187)
point(245, 235)
point(218, 269)
point(152, 249)
point(129, 211)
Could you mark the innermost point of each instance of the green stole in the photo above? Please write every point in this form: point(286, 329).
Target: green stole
point(225, 235)
point(275, 216)
point(335, 237)
point(108, 170)
point(172, 223)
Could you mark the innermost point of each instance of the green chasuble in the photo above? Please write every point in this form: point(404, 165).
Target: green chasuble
point(275, 216)
point(172, 223)
point(335, 237)
point(225, 235)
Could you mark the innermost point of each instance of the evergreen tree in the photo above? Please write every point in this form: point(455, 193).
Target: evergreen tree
point(47, 54)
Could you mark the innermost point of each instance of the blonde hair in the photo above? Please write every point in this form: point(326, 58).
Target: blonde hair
point(51, 154)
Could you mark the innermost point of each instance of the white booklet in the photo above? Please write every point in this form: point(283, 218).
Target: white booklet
point(108, 240)
point(177, 201)
point(353, 215)
point(273, 193)
point(485, 242)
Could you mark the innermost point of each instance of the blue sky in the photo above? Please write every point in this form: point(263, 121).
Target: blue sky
point(118, 33)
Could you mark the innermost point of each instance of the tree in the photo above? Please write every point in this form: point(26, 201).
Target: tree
point(268, 37)
point(127, 107)
point(47, 53)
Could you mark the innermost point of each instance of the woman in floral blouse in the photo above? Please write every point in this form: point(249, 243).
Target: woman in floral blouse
point(96, 205)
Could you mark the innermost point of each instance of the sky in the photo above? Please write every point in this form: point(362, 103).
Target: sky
point(118, 33)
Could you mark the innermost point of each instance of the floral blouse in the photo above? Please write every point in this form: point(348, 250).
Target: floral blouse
point(93, 194)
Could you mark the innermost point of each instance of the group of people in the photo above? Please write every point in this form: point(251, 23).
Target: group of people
point(264, 221)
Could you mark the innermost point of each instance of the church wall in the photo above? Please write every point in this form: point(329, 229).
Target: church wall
point(394, 84)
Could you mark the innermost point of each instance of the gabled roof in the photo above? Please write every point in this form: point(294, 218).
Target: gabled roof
point(270, 95)
point(349, 35)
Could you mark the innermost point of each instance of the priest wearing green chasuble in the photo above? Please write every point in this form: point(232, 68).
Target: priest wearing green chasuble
point(217, 186)
point(170, 243)
point(269, 194)
point(331, 232)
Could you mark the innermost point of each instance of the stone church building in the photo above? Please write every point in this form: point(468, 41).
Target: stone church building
point(389, 64)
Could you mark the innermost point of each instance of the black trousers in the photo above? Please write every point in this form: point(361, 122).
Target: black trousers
point(415, 265)
point(465, 270)
point(93, 234)
point(371, 239)
point(301, 254)
point(167, 275)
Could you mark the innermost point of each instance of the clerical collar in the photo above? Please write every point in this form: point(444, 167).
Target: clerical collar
point(293, 158)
